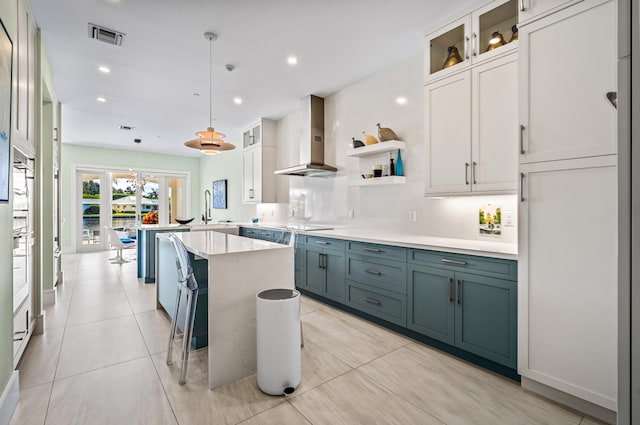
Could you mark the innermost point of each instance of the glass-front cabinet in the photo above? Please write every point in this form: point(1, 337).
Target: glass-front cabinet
point(487, 32)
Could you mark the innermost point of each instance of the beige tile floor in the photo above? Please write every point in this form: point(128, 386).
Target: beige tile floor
point(101, 360)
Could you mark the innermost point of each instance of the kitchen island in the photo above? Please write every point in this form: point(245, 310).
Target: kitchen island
point(237, 268)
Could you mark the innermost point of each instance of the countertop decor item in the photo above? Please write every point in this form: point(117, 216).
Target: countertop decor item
point(385, 134)
point(210, 142)
point(369, 139)
point(184, 221)
point(356, 143)
point(399, 170)
point(496, 41)
point(453, 57)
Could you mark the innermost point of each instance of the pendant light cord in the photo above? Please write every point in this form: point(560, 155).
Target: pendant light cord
point(210, 82)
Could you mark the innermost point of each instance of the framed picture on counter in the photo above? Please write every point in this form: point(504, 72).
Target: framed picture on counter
point(6, 69)
point(220, 194)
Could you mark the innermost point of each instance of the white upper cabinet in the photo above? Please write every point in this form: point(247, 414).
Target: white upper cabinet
point(494, 123)
point(448, 134)
point(258, 163)
point(471, 130)
point(530, 10)
point(471, 36)
point(24, 48)
point(567, 67)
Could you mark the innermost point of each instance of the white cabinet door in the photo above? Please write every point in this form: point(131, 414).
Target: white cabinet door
point(448, 134)
point(568, 64)
point(533, 9)
point(257, 174)
point(458, 34)
point(248, 192)
point(494, 149)
point(567, 277)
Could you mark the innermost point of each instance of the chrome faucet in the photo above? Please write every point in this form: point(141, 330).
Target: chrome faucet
point(207, 206)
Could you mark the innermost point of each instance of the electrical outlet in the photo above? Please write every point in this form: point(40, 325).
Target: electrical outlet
point(508, 219)
point(352, 214)
point(412, 215)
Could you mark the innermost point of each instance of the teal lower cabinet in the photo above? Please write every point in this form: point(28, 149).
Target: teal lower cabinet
point(472, 312)
point(324, 272)
point(431, 307)
point(299, 262)
point(386, 305)
point(486, 318)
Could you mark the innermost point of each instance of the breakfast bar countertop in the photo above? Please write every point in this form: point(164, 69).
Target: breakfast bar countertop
point(207, 244)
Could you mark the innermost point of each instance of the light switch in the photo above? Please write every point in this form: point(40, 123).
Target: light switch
point(508, 219)
point(412, 215)
point(351, 214)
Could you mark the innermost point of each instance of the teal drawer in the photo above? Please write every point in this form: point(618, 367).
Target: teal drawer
point(384, 274)
point(375, 250)
point(327, 243)
point(495, 267)
point(249, 232)
point(268, 235)
point(386, 305)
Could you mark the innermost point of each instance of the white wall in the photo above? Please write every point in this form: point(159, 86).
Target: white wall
point(385, 208)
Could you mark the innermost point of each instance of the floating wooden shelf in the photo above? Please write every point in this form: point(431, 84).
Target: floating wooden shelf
point(379, 181)
point(377, 148)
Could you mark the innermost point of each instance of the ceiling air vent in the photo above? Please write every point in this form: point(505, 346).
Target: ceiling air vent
point(105, 35)
point(126, 127)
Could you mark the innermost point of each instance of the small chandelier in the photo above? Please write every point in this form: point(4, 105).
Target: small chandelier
point(136, 179)
point(210, 142)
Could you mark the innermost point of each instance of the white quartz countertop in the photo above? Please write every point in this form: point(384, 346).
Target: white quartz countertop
point(208, 243)
point(487, 248)
point(211, 226)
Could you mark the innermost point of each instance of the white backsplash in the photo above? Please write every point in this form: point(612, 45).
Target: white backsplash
point(384, 208)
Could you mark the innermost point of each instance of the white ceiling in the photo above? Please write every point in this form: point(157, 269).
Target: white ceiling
point(164, 60)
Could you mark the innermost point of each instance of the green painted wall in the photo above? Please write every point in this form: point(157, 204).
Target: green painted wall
point(83, 155)
point(227, 165)
point(8, 14)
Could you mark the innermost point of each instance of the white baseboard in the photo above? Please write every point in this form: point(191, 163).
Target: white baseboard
point(9, 399)
point(48, 297)
point(582, 406)
point(38, 326)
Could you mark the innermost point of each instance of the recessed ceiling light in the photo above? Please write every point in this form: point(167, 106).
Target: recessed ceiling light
point(292, 60)
point(237, 100)
point(101, 99)
point(401, 100)
point(104, 69)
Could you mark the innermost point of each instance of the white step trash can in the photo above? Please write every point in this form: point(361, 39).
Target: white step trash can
point(278, 343)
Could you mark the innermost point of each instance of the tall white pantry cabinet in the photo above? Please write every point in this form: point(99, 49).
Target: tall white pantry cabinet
point(567, 269)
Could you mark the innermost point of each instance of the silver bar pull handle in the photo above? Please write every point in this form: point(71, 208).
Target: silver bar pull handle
point(322, 242)
point(251, 193)
point(377, 273)
point(373, 249)
point(370, 301)
point(450, 281)
point(612, 96)
point(474, 172)
point(458, 297)
point(466, 173)
point(466, 53)
point(475, 37)
point(522, 199)
point(522, 8)
point(521, 139)
point(446, 260)
point(319, 261)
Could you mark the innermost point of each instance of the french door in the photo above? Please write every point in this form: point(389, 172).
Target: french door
point(125, 199)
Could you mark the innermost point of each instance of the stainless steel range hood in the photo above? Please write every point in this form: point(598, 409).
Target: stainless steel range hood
point(312, 142)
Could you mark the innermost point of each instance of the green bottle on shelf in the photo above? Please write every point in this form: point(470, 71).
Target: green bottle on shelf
point(399, 170)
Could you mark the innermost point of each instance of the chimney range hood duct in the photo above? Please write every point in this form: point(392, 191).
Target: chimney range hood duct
point(312, 143)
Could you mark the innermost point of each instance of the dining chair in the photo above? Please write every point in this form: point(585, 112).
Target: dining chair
point(119, 244)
